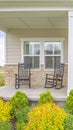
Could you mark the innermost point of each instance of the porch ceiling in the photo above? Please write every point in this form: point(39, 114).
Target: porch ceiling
point(33, 19)
point(36, 3)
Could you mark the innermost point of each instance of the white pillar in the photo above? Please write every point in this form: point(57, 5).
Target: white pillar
point(70, 51)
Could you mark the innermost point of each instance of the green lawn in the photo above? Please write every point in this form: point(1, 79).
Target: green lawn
point(2, 78)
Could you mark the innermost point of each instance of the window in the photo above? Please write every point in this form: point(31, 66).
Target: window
point(46, 52)
point(31, 50)
point(52, 54)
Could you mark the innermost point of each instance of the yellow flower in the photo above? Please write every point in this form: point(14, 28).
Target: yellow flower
point(5, 108)
point(46, 116)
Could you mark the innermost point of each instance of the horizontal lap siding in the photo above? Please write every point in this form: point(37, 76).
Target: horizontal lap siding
point(13, 43)
point(13, 49)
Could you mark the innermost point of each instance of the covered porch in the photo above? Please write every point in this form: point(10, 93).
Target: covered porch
point(31, 20)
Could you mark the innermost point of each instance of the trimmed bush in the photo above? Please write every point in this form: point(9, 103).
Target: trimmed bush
point(18, 102)
point(71, 93)
point(45, 97)
point(5, 125)
point(23, 115)
point(47, 116)
point(69, 103)
point(5, 109)
point(20, 125)
point(22, 118)
point(68, 123)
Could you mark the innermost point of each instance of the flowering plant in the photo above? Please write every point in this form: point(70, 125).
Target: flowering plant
point(5, 108)
point(46, 117)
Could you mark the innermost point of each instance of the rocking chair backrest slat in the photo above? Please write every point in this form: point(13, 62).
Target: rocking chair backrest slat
point(23, 70)
point(59, 69)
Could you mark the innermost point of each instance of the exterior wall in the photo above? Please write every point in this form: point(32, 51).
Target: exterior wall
point(70, 51)
point(37, 77)
point(13, 53)
point(13, 43)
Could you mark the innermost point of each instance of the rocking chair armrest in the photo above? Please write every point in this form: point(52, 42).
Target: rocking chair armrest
point(49, 75)
point(59, 76)
point(16, 75)
point(30, 74)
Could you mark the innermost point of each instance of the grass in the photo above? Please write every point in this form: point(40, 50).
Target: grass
point(2, 77)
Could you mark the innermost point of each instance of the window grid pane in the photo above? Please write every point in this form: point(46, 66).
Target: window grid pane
point(36, 49)
point(48, 62)
point(57, 48)
point(48, 48)
point(31, 48)
point(57, 60)
point(33, 61)
point(28, 49)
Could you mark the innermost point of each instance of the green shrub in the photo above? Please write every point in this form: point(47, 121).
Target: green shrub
point(5, 125)
point(20, 125)
point(22, 118)
point(23, 115)
point(68, 123)
point(69, 103)
point(71, 93)
point(46, 116)
point(18, 102)
point(45, 97)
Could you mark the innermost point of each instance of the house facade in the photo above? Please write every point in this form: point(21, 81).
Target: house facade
point(38, 32)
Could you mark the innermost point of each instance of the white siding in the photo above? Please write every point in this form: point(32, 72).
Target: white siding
point(13, 43)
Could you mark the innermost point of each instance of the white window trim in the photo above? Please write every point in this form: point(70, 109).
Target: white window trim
point(42, 40)
point(62, 59)
point(22, 55)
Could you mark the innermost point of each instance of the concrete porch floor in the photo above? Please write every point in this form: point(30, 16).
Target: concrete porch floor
point(7, 92)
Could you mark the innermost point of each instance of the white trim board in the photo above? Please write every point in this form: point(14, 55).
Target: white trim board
point(35, 9)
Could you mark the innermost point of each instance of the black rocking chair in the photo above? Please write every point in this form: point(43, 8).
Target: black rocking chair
point(23, 77)
point(55, 80)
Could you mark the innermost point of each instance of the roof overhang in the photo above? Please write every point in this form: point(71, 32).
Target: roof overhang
point(36, 3)
point(30, 14)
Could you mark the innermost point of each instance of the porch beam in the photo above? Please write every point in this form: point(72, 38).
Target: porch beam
point(27, 9)
point(39, 0)
point(70, 51)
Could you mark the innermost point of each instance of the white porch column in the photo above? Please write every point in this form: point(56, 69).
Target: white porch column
point(70, 51)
